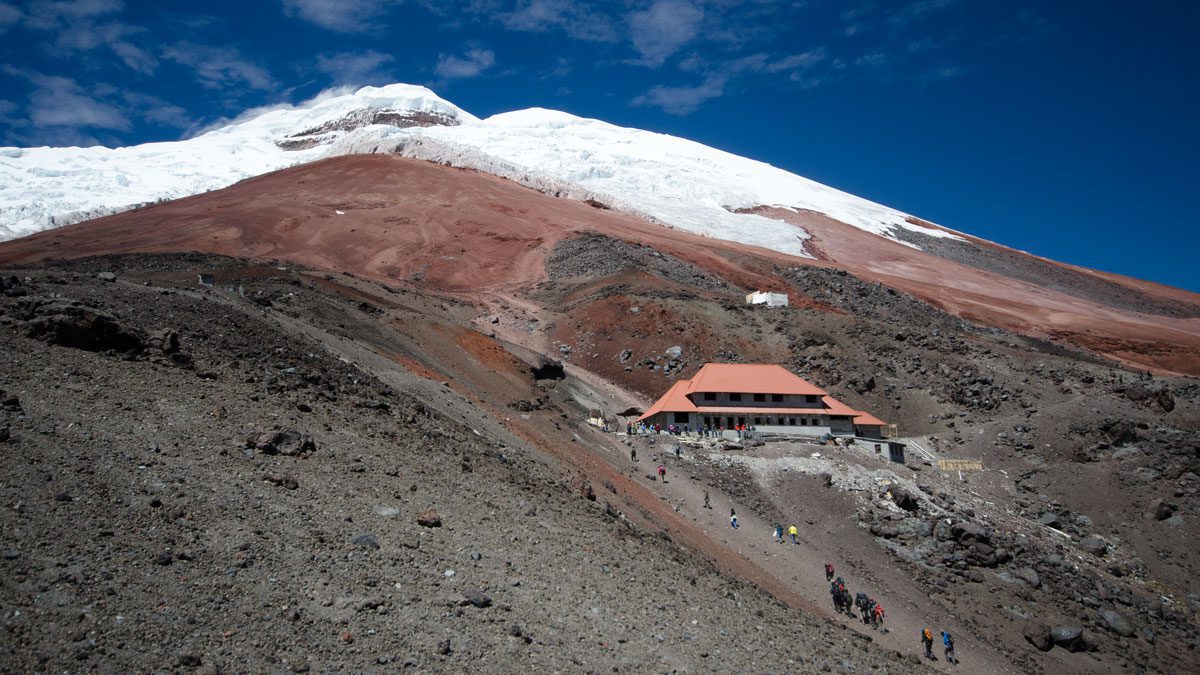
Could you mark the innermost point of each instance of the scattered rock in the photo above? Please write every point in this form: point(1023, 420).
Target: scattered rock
point(477, 598)
point(282, 480)
point(1037, 633)
point(429, 518)
point(285, 442)
point(365, 541)
point(1159, 509)
point(1116, 623)
point(1094, 545)
point(1068, 637)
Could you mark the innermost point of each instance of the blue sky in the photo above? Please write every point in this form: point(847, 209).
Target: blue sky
point(1069, 129)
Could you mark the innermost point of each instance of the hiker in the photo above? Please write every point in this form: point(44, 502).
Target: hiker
point(678, 451)
point(792, 531)
point(629, 428)
point(948, 643)
point(707, 505)
point(836, 594)
point(876, 615)
point(927, 640)
point(860, 601)
point(778, 533)
point(733, 518)
point(828, 572)
point(633, 454)
point(662, 473)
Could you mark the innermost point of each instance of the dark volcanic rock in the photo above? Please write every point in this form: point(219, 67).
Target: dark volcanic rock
point(285, 442)
point(282, 480)
point(904, 498)
point(1094, 545)
point(72, 325)
point(1037, 633)
point(1115, 622)
point(429, 518)
point(1159, 509)
point(1068, 637)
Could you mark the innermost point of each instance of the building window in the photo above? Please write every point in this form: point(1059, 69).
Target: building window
point(710, 396)
point(681, 418)
point(803, 421)
point(777, 398)
point(757, 421)
point(760, 397)
point(791, 421)
point(735, 397)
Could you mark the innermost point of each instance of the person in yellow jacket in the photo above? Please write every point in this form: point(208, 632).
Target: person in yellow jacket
point(792, 531)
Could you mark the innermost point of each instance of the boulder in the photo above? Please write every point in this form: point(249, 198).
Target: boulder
point(1159, 509)
point(1037, 633)
point(73, 325)
point(367, 540)
point(1048, 519)
point(1115, 622)
point(477, 598)
point(1089, 641)
point(964, 531)
point(1094, 545)
point(429, 518)
point(283, 442)
point(282, 480)
point(1069, 638)
point(904, 498)
point(1029, 576)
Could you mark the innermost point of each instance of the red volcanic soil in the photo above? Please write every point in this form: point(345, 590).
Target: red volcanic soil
point(462, 231)
point(401, 219)
point(1163, 343)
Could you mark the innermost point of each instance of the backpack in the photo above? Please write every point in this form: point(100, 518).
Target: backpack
point(928, 636)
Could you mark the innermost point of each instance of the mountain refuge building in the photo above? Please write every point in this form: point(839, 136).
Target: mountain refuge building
point(768, 299)
point(768, 397)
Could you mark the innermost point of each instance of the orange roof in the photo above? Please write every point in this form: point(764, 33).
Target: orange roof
point(750, 377)
point(675, 400)
point(868, 420)
point(836, 407)
point(768, 412)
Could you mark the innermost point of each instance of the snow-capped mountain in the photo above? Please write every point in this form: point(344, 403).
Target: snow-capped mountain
point(677, 182)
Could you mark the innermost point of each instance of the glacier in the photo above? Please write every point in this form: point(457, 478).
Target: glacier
point(672, 181)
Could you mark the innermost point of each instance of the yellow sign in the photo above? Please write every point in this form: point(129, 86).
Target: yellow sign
point(960, 464)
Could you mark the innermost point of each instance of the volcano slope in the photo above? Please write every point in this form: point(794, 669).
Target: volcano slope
point(197, 479)
point(459, 269)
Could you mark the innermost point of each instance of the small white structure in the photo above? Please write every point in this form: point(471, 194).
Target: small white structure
point(768, 299)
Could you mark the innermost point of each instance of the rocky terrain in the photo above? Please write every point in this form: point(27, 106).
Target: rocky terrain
point(196, 480)
point(234, 463)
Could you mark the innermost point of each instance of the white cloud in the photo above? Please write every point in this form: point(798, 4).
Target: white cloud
point(59, 101)
point(85, 36)
point(157, 111)
point(340, 16)
point(50, 15)
point(471, 64)
point(576, 18)
point(358, 68)
point(218, 67)
point(662, 29)
point(681, 100)
point(802, 60)
point(9, 16)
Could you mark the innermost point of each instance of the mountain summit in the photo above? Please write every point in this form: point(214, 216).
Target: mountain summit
point(396, 219)
point(678, 182)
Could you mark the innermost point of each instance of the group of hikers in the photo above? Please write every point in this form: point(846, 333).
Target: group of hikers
point(706, 431)
point(871, 612)
point(861, 606)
